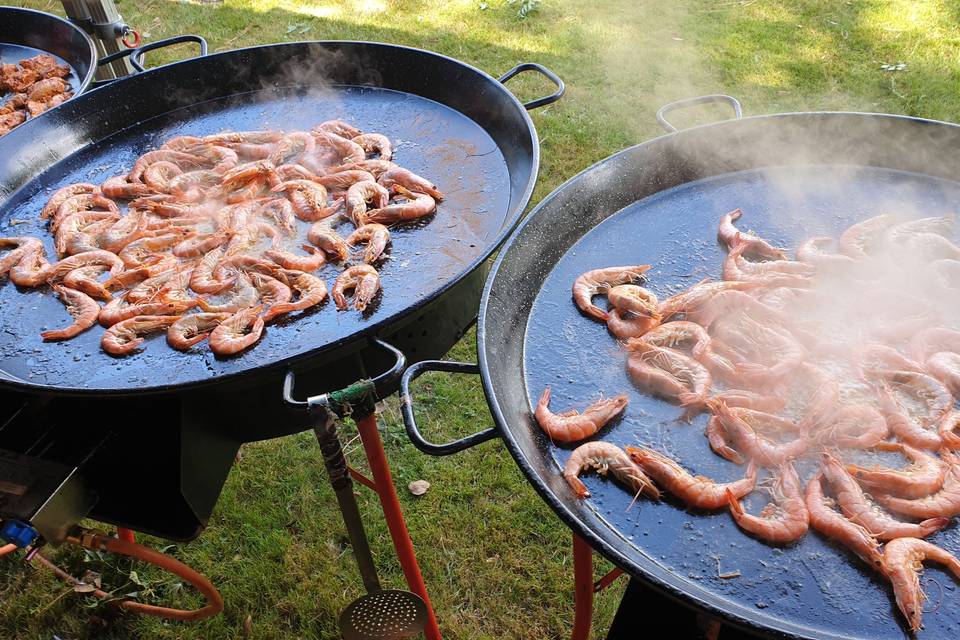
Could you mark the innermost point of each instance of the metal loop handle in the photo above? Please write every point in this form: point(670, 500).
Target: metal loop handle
point(690, 102)
point(410, 422)
point(136, 55)
point(360, 393)
point(542, 70)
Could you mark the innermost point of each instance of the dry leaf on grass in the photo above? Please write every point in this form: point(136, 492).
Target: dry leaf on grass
point(418, 487)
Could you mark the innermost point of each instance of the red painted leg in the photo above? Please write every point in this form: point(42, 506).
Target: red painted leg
point(125, 534)
point(582, 588)
point(373, 447)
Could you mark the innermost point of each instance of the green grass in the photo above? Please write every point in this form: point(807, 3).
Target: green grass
point(497, 561)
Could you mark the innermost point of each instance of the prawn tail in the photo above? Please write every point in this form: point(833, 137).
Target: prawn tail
point(735, 507)
point(578, 487)
point(934, 524)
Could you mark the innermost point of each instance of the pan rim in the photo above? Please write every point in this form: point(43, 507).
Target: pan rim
point(361, 338)
point(651, 573)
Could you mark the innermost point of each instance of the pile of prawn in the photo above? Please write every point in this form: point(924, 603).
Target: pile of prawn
point(216, 236)
point(850, 347)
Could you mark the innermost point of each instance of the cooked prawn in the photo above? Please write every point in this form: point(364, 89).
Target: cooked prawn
point(348, 150)
point(730, 236)
point(85, 279)
point(177, 158)
point(19, 247)
point(343, 180)
point(193, 329)
point(242, 295)
point(858, 508)
point(696, 297)
point(359, 195)
point(598, 282)
point(942, 505)
point(324, 236)
point(918, 431)
point(405, 178)
point(338, 127)
point(32, 269)
point(755, 446)
point(309, 199)
point(902, 563)
point(604, 458)
point(288, 260)
point(945, 367)
point(826, 520)
point(124, 337)
point(62, 194)
point(81, 307)
point(274, 293)
point(782, 521)
point(237, 332)
point(853, 426)
point(770, 273)
point(860, 239)
point(695, 491)
point(85, 259)
point(363, 280)
point(623, 324)
point(119, 310)
point(571, 426)
point(375, 143)
point(669, 374)
point(924, 476)
point(416, 206)
point(682, 334)
point(375, 235)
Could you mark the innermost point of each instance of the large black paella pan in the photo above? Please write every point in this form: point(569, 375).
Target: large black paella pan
point(450, 121)
point(657, 203)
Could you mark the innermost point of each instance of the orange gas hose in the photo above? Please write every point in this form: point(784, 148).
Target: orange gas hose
point(162, 560)
point(10, 548)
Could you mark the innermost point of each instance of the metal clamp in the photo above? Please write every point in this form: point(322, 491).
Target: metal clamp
point(542, 70)
point(410, 422)
point(136, 55)
point(360, 397)
point(690, 102)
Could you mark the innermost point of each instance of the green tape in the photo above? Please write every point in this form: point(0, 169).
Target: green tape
point(360, 398)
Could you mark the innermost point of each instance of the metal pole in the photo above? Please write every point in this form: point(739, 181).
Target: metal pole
point(336, 464)
point(582, 588)
point(101, 20)
point(373, 447)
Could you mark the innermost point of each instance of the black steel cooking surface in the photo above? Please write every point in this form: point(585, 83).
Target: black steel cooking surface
point(795, 176)
point(431, 139)
point(675, 231)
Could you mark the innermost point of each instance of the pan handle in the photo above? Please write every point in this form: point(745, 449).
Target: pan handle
point(542, 70)
point(410, 422)
point(689, 102)
point(136, 55)
point(360, 397)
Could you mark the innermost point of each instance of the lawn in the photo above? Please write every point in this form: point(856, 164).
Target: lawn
point(496, 560)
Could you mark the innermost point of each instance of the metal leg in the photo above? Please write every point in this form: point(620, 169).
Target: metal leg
point(582, 589)
point(336, 464)
point(373, 447)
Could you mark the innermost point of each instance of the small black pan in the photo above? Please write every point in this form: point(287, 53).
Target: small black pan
point(25, 33)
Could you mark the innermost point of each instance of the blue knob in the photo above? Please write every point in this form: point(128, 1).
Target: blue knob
point(18, 533)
